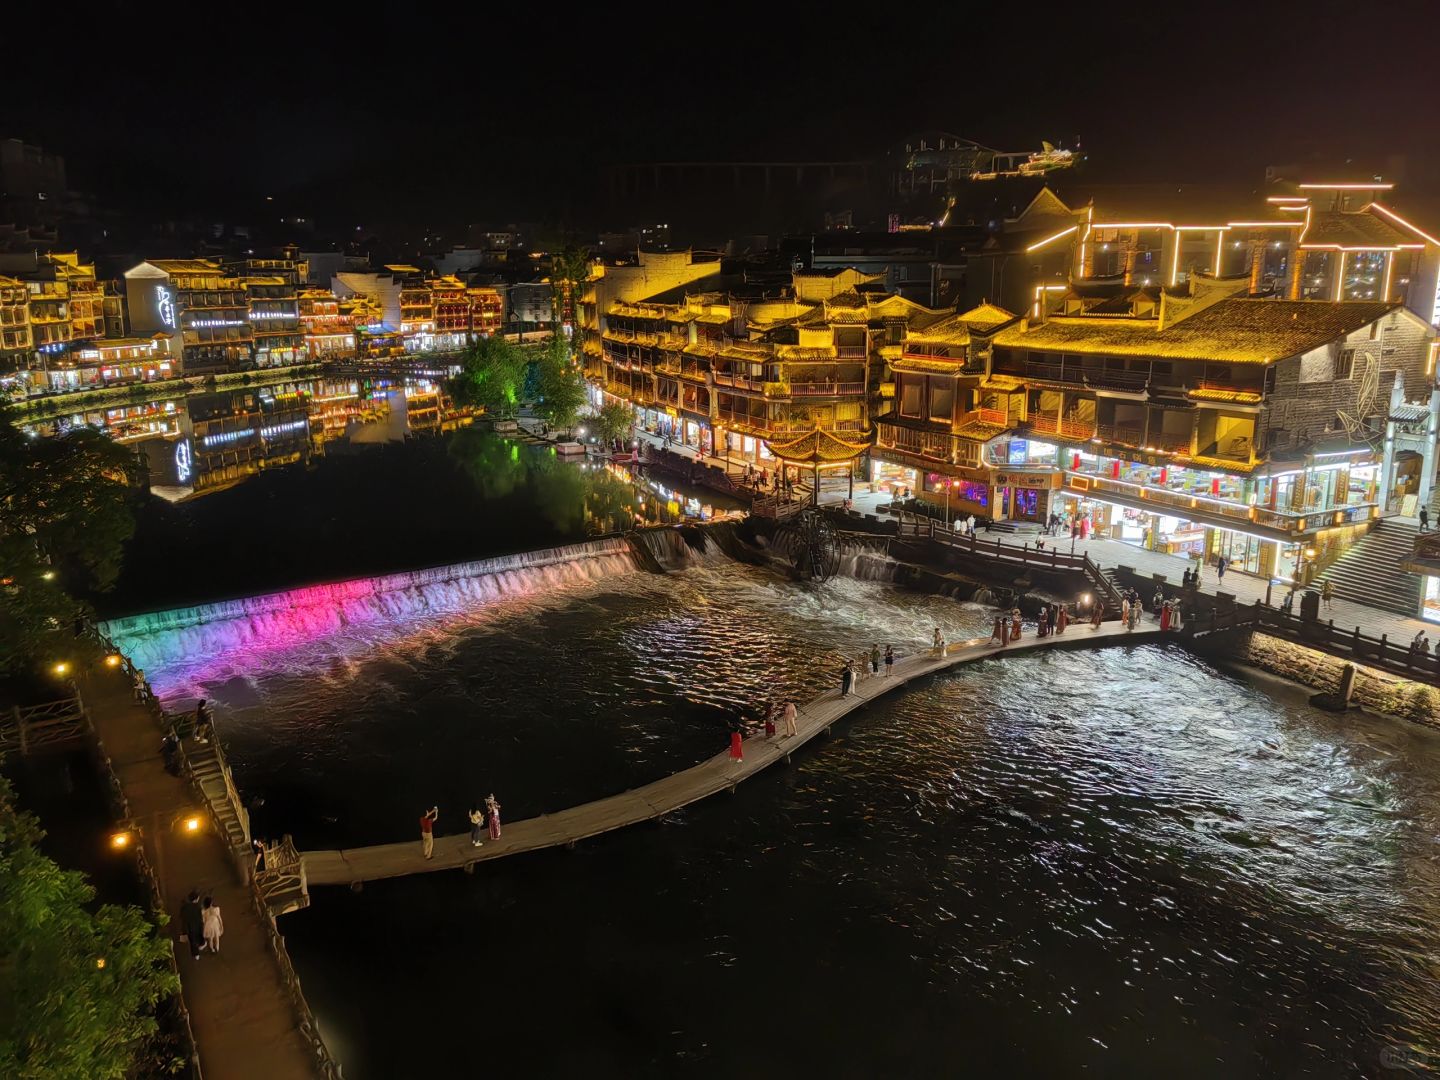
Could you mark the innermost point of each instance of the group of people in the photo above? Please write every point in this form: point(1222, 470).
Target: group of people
point(1007, 628)
point(964, 526)
point(480, 819)
point(1420, 645)
point(200, 924)
point(777, 715)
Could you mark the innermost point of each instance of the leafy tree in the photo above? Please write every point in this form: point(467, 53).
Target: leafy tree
point(569, 271)
point(492, 376)
point(614, 422)
point(81, 983)
point(72, 494)
point(560, 385)
point(35, 612)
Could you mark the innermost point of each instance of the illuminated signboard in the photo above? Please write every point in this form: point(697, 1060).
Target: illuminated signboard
point(183, 469)
point(165, 305)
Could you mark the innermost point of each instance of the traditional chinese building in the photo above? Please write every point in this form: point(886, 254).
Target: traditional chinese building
point(272, 288)
point(451, 308)
point(197, 299)
point(329, 332)
point(487, 310)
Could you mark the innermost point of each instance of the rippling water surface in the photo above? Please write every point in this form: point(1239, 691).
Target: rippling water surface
point(1119, 862)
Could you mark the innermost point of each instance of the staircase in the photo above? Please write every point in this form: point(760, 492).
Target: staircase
point(212, 776)
point(1369, 570)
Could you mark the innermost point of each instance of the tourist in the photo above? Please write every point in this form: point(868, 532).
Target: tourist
point(847, 678)
point(889, 660)
point(1287, 606)
point(1220, 564)
point(770, 722)
point(477, 823)
point(997, 636)
point(204, 721)
point(737, 740)
point(1015, 625)
point(1042, 624)
point(1424, 519)
point(970, 525)
point(788, 714)
point(492, 811)
point(1159, 601)
point(1327, 593)
point(1062, 619)
point(192, 923)
point(1097, 613)
point(958, 526)
point(938, 643)
point(1135, 610)
point(1125, 609)
point(1164, 617)
point(211, 924)
point(874, 659)
point(139, 690)
point(427, 831)
point(1176, 619)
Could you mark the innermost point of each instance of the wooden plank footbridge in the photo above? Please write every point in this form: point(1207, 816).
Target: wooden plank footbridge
point(352, 866)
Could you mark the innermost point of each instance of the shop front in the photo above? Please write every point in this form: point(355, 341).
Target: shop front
point(1025, 496)
point(893, 479)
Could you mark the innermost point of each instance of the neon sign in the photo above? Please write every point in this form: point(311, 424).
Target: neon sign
point(182, 460)
point(165, 306)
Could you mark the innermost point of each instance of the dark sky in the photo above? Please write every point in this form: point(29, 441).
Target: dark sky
point(508, 111)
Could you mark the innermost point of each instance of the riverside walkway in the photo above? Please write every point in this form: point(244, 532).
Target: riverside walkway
point(243, 1016)
point(720, 773)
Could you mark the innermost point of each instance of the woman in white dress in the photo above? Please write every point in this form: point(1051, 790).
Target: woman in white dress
point(214, 925)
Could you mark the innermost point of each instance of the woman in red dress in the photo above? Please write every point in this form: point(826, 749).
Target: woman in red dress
point(492, 809)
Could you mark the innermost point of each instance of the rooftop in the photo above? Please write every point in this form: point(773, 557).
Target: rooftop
point(1238, 330)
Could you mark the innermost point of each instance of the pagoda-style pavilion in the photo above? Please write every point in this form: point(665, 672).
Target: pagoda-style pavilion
point(820, 450)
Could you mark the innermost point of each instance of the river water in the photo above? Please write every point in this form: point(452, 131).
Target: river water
point(1119, 862)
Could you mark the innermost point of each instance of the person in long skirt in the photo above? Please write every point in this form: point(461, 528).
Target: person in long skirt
point(1097, 615)
point(938, 643)
point(889, 659)
point(847, 680)
point(874, 659)
point(492, 811)
point(1042, 627)
point(770, 721)
point(214, 926)
point(997, 636)
point(477, 826)
point(1015, 625)
point(1164, 617)
point(1125, 610)
point(1062, 617)
point(1176, 620)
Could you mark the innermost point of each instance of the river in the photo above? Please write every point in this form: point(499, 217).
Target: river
point(1120, 862)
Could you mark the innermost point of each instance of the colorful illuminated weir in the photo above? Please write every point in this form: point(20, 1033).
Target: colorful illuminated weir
point(286, 620)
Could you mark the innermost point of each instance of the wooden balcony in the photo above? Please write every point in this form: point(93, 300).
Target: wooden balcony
point(1051, 424)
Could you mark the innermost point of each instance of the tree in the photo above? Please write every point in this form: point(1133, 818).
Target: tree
point(81, 983)
point(569, 271)
point(492, 375)
point(559, 383)
point(35, 612)
point(72, 495)
point(614, 422)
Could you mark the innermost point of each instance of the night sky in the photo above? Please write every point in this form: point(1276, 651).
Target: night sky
point(508, 112)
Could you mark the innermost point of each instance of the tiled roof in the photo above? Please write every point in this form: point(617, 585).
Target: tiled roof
point(1243, 397)
point(985, 317)
point(818, 446)
point(1234, 330)
point(1354, 229)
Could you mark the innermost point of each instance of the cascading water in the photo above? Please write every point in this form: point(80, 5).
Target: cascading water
point(868, 566)
point(680, 548)
point(286, 619)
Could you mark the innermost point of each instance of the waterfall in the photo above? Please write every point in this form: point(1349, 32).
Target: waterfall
point(868, 566)
point(982, 595)
point(292, 617)
point(680, 547)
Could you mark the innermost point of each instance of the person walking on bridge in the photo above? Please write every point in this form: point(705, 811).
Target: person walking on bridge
point(492, 811)
point(192, 923)
point(1327, 593)
point(427, 831)
point(889, 659)
point(477, 824)
point(874, 659)
point(214, 926)
point(788, 714)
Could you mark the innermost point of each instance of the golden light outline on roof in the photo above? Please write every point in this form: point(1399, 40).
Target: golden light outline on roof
point(817, 446)
point(1401, 221)
point(1051, 239)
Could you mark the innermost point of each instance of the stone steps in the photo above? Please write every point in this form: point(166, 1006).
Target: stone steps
point(1369, 570)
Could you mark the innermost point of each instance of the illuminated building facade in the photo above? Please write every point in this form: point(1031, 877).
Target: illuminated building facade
point(197, 299)
point(730, 366)
point(1198, 420)
point(487, 310)
point(272, 290)
point(328, 331)
point(16, 341)
point(451, 313)
point(111, 362)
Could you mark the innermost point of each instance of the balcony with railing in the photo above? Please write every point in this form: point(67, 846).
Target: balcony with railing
point(983, 416)
point(1049, 423)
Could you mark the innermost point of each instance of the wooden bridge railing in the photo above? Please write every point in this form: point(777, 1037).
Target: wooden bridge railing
point(1396, 657)
point(53, 725)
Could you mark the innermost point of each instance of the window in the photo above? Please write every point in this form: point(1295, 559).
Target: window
point(910, 397)
point(1344, 363)
point(942, 399)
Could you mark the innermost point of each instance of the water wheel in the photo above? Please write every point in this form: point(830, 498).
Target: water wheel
point(809, 539)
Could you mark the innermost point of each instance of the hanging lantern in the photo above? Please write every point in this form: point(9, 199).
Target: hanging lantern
point(1115, 469)
point(1164, 474)
point(1214, 485)
point(1075, 463)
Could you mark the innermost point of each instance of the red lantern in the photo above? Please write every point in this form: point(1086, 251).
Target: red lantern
point(1214, 485)
point(1115, 469)
point(1164, 474)
point(1075, 463)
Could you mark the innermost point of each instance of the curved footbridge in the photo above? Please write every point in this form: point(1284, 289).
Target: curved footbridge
point(351, 866)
